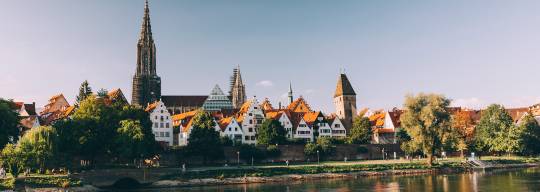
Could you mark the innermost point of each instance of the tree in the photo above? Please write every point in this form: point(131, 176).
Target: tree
point(103, 93)
point(249, 152)
point(496, 131)
point(84, 91)
point(38, 147)
point(9, 123)
point(13, 160)
point(427, 121)
point(203, 140)
point(530, 135)
point(463, 129)
point(271, 132)
point(323, 145)
point(360, 131)
point(132, 140)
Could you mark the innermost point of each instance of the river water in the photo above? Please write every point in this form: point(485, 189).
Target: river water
point(500, 180)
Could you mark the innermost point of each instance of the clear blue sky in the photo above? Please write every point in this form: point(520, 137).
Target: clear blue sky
point(475, 52)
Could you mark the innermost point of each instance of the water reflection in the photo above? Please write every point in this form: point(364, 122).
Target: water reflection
point(507, 180)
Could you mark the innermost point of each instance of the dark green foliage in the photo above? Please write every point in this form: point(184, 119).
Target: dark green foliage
point(203, 140)
point(84, 134)
point(530, 137)
point(225, 141)
point(84, 92)
point(324, 146)
point(271, 132)
point(250, 151)
point(9, 123)
point(360, 132)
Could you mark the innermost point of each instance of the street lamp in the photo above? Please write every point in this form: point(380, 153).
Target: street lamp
point(238, 158)
point(318, 160)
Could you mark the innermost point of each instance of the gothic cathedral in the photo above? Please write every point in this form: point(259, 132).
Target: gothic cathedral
point(146, 83)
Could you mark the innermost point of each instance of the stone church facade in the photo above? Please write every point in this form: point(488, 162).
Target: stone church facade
point(146, 83)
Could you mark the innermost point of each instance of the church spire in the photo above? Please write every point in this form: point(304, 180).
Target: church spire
point(238, 89)
point(146, 83)
point(291, 99)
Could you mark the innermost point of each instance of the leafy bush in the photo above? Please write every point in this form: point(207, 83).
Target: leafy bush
point(250, 151)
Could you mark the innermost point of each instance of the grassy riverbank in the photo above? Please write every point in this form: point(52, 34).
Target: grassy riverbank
point(40, 181)
point(375, 167)
point(450, 164)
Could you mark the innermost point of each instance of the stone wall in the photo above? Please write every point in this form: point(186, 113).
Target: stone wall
point(296, 153)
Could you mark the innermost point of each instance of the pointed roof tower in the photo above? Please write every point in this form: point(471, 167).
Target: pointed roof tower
point(238, 89)
point(343, 86)
point(291, 99)
point(146, 28)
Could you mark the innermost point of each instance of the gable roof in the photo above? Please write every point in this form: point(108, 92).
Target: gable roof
point(343, 86)
point(299, 105)
point(266, 105)
point(311, 117)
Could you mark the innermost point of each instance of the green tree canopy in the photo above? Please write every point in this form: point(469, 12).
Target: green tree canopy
point(133, 140)
point(38, 147)
point(496, 131)
point(84, 91)
point(530, 135)
point(13, 159)
point(9, 122)
point(204, 140)
point(427, 122)
point(360, 132)
point(271, 132)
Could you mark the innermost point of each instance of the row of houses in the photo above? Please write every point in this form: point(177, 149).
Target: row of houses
point(299, 121)
point(386, 123)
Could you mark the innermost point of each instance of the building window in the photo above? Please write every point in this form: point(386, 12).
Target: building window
point(250, 114)
point(161, 134)
point(246, 138)
point(229, 129)
point(166, 125)
point(250, 129)
point(156, 125)
point(253, 138)
point(236, 129)
point(155, 117)
point(161, 125)
point(336, 126)
point(167, 134)
point(250, 121)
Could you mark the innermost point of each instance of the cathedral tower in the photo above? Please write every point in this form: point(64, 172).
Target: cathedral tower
point(146, 86)
point(345, 101)
point(238, 90)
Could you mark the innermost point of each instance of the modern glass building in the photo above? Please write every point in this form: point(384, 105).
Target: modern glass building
point(217, 101)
